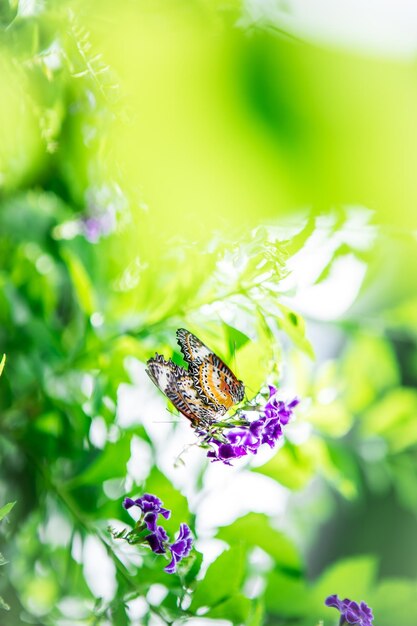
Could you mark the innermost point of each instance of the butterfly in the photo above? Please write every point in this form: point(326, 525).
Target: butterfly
point(206, 390)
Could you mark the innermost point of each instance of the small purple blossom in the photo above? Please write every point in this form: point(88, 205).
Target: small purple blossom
point(225, 452)
point(351, 612)
point(94, 228)
point(104, 205)
point(248, 436)
point(151, 507)
point(180, 548)
point(157, 540)
point(277, 409)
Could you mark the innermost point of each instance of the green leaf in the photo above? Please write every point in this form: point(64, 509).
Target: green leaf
point(394, 418)
point(394, 602)
point(254, 530)
point(2, 364)
point(402, 471)
point(252, 362)
point(3, 605)
point(364, 381)
point(350, 578)
point(294, 326)
point(222, 580)
point(295, 466)
point(287, 596)
point(292, 466)
point(236, 609)
point(81, 282)
point(110, 463)
point(257, 616)
point(5, 510)
point(330, 419)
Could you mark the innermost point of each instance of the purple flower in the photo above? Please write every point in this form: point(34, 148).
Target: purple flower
point(156, 540)
point(226, 451)
point(95, 227)
point(351, 612)
point(247, 437)
point(278, 409)
point(271, 432)
point(151, 507)
point(180, 548)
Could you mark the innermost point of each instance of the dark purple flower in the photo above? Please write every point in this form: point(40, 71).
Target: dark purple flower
point(156, 540)
point(272, 431)
point(226, 451)
point(351, 612)
point(248, 436)
point(278, 409)
point(245, 437)
point(151, 507)
point(180, 548)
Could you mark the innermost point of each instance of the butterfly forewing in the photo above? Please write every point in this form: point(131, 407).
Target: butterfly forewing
point(192, 348)
point(175, 382)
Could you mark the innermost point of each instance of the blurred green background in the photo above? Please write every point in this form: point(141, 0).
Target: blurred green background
point(177, 163)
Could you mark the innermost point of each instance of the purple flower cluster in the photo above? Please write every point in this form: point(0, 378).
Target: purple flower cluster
point(105, 204)
point(351, 612)
point(94, 228)
point(151, 507)
point(247, 438)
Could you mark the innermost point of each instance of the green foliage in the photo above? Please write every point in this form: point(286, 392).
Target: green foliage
point(255, 530)
point(222, 580)
point(111, 237)
point(5, 510)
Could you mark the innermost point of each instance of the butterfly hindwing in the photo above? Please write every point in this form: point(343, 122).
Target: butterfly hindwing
point(178, 386)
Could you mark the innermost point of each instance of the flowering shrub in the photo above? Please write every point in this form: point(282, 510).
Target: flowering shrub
point(250, 435)
point(158, 541)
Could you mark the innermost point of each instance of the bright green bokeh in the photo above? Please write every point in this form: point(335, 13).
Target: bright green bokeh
point(163, 165)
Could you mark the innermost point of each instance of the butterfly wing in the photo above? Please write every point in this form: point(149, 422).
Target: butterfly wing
point(215, 383)
point(178, 386)
point(192, 348)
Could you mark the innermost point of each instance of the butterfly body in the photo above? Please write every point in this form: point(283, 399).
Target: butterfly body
point(204, 392)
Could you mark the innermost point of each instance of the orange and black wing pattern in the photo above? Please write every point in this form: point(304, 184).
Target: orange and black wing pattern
point(192, 348)
point(214, 381)
point(205, 391)
point(178, 386)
